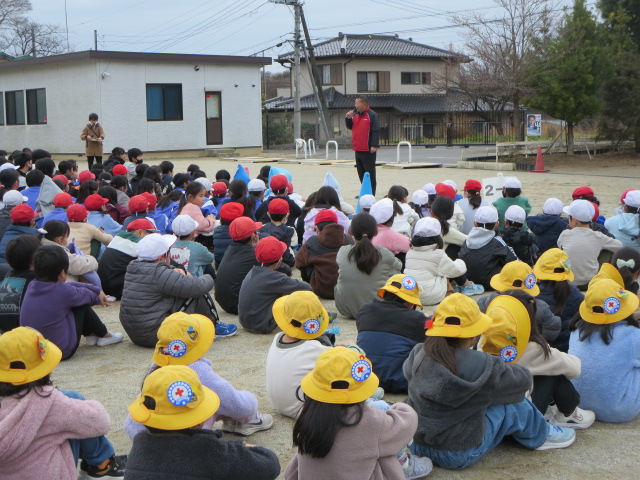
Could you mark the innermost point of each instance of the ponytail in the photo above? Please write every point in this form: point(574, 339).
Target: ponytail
point(364, 253)
point(475, 200)
point(443, 351)
point(627, 261)
point(417, 209)
point(193, 189)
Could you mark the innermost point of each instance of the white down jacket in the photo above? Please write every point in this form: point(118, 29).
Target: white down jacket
point(432, 269)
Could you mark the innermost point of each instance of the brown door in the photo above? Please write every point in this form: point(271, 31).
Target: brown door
point(213, 110)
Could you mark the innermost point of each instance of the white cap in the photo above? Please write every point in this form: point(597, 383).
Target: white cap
point(14, 197)
point(367, 201)
point(183, 225)
point(153, 246)
point(205, 182)
point(632, 198)
point(451, 183)
point(515, 213)
point(8, 165)
point(512, 182)
point(382, 210)
point(581, 210)
point(427, 227)
point(552, 206)
point(430, 188)
point(486, 215)
point(420, 198)
point(256, 185)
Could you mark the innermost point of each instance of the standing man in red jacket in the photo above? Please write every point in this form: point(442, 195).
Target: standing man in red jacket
point(365, 136)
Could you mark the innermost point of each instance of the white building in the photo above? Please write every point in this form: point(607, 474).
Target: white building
point(153, 101)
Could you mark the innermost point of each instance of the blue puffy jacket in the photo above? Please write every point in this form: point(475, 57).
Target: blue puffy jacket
point(221, 240)
point(547, 229)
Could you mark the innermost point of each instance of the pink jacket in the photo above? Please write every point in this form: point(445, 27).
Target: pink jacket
point(34, 431)
point(309, 222)
point(391, 240)
point(205, 225)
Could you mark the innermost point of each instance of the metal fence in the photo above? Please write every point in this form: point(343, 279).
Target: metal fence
point(468, 133)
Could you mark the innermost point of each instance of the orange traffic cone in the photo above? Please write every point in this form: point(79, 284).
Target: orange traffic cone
point(540, 162)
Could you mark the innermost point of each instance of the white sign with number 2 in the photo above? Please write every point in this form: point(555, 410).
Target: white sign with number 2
point(492, 187)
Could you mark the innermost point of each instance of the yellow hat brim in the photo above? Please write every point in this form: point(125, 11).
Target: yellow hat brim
point(23, 376)
point(186, 418)
point(608, 272)
point(556, 277)
point(494, 339)
point(296, 332)
point(626, 309)
point(359, 394)
point(415, 300)
point(500, 286)
point(457, 331)
point(207, 333)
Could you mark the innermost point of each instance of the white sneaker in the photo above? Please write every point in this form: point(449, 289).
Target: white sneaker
point(92, 340)
point(579, 419)
point(114, 338)
point(551, 411)
point(263, 422)
point(229, 425)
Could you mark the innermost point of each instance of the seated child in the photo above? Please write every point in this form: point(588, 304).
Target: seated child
point(51, 427)
point(168, 206)
point(587, 193)
point(22, 223)
point(278, 212)
point(428, 263)
point(263, 285)
point(294, 351)
point(385, 211)
point(138, 207)
point(582, 244)
point(238, 260)
point(193, 256)
point(483, 252)
point(514, 337)
point(443, 209)
point(605, 336)
point(336, 390)
point(191, 203)
point(32, 192)
point(173, 405)
point(511, 195)
point(522, 242)
point(183, 339)
point(13, 287)
point(61, 202)
point(221, 237)
point(470, 203)
point(316, 258)
point(98, 215)
point(325, 198)
point(468, 401)
point(548, 225)
point(10, 199)
point(160, 219)
point(154, 289)
point(626, 225)
point(278, 185)
point(87, 237)
point(256, 188)
point(402, 222)
point(68, 304)
point(518, 275)
point(419, 200)
point(388, 343)
point(366, 202)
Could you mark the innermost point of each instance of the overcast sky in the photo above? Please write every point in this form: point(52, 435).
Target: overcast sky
point(245, 27)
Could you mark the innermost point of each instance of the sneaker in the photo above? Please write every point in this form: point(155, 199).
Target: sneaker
point(114, 468)
point(114, 338)
point(229, 425)
point(378, 394)
point(225, 329)
point(558, 437)
point(457, 289)
point(419, 467)
point(551, 411)
point(92, 340)
point(472, 289)
point(579, 419)
point(264, 422)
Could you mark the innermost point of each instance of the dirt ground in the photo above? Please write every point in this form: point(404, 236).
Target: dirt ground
point(114, 374)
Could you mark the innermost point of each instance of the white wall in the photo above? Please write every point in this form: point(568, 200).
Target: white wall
point(75, 89)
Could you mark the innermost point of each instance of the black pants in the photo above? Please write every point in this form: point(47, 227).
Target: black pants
point(87, 323)
point(452, 251)
point(91, 158)
point(460, 281)
point(558, 389)
point(366, 162)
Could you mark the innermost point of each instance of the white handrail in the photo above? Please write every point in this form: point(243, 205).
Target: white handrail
point(311, 146)
point(301, 144)
point(398, 151)
point(335, 144)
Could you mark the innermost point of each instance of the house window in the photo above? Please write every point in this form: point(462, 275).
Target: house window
point(1, 109)
point(331, 74)
point(36, 106)
point(15, 107)
point(415, 78)
point(367, 81)
point(164, 101)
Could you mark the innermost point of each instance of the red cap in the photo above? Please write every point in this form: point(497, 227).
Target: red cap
point(120, 170)
point(279, 182)
point(219, 188)
point(85, 176)
point(597, 212)
point(77, 213)
point(62, 200)
point(230, 211)
point(94, 202)
point(270, 250)
point(243, 227)
point(62, 178)
point(22, 213)
point(326, 215)
point(472, 186)
point(289, 188)
point(444, 190)
point(582, 192)
point(278, 206)
point(152, 199)
point(624, 194)
point(138, 203)
point(141, 224)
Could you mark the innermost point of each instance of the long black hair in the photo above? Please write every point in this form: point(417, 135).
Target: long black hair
point(625, 254)
point(398, 193)
point(238, 193)
point(475, 200)
point(364, 253)
point(419, 241)
point(10, 390)
point(586, 329)
point(442, 209)
point(193, 189)
point(55, 229)
point(443, 350)
point(530, 304)
point(8, 179)
point(87, 188)
point(327, 197)
point(561, 293)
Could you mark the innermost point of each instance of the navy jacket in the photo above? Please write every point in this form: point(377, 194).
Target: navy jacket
point(221, 241)
point(570, 309)
point(12, 232)
point(547, 229)
point(388, 331)
point(294, 211)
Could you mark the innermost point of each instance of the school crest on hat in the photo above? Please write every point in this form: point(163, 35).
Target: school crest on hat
point(409, 282)
point(179, 393)
point(508, 354)
point(177, 348)
point(361, 369)
point(312, 326)
point(611, 305)
point(530, 281)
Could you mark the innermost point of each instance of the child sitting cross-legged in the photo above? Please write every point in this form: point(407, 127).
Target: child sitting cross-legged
point(184, 339)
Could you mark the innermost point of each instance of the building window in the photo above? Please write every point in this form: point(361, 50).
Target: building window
point(1, 109)
point(164, 101)
point(415, 78)
point(36, 106)
point(331, 74)
point(367, 81)
point(15, 107)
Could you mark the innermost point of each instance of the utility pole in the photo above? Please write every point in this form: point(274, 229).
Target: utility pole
point(95, 40)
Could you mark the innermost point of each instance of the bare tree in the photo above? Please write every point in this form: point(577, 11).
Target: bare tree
point(31, 38)
point(12, 9)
